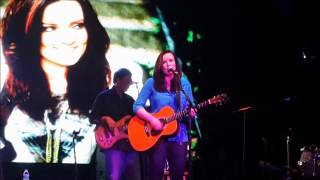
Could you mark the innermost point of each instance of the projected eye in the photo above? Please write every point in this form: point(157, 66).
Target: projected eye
point(78, 26)
point(48, 28)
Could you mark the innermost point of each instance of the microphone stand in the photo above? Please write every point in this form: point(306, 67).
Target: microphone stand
point(137, 87)
point(244, 111)
point(264, 157)
point(189, 136)
point(75, 135)
point(178, 78)
point(288, 143)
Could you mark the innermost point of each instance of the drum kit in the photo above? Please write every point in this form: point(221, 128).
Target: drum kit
point(309, 163)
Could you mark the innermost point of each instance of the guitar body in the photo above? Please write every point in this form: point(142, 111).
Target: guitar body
point(106, 137)
point(140, 132)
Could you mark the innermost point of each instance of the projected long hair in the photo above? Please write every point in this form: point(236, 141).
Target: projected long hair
point(158, 75)
point(26, 84)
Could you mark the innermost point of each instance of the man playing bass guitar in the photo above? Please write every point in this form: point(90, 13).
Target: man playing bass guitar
point(111, 111)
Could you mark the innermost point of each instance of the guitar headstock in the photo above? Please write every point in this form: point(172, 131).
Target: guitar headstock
point(219, 99)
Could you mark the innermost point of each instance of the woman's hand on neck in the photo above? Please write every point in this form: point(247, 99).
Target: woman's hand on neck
point(56, 75)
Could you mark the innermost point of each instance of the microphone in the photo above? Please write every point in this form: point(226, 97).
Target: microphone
point(265, 140)
point(134, 82)
point(75, 133)
point(173, 71)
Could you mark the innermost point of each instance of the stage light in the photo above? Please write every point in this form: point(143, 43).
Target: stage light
point(190, 36)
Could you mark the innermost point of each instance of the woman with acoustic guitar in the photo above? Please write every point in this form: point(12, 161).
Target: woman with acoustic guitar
point(167, 90)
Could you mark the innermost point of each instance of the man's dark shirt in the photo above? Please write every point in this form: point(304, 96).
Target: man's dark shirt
point(109, 103)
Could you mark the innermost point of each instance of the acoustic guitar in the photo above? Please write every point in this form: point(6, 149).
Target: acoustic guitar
point(141, 135)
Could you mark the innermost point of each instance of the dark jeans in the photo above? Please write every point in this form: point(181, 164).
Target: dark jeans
point(175, 153)
point(122, 164)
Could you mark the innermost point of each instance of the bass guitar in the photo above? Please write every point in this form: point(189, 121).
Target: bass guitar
point(109, 131)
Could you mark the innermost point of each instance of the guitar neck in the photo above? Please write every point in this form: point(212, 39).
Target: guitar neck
point(183, 113)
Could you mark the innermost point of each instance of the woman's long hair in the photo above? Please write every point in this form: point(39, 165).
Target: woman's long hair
point(158, 75)
point(26, 83)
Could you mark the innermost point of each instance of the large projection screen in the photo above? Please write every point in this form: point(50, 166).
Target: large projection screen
point(137, 38)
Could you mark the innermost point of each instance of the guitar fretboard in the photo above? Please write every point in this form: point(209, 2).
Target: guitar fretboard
point(181, 114)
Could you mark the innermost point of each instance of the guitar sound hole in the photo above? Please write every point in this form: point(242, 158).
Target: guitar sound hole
point(155, 132)
point(146, 129)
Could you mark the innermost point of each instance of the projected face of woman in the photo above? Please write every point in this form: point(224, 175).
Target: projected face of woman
point(64, 36)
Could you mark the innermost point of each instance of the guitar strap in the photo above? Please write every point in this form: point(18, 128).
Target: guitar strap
point(178, 91)
point(188, 98)
point(178, 99)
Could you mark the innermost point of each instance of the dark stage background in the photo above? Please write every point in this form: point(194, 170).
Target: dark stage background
point(265, 55)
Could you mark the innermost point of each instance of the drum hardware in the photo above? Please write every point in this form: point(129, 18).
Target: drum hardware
point(309, 162)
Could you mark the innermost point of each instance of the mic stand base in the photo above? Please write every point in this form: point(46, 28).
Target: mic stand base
point(189, 149)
